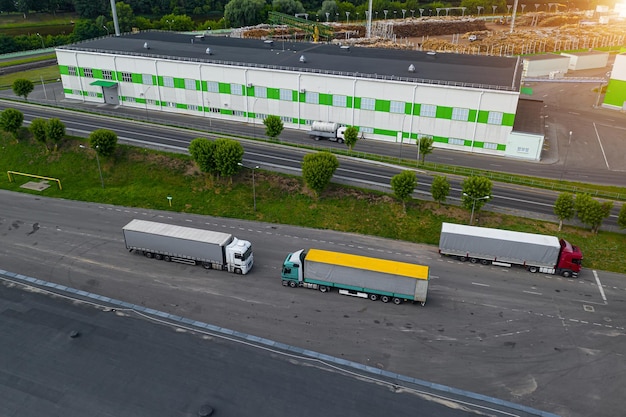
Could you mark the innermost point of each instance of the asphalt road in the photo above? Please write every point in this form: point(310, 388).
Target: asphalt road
point(542, 341)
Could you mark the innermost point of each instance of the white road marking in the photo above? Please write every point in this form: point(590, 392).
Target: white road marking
point(533, 292)
point(479, 284)
point(601, 147)
point(595, 274)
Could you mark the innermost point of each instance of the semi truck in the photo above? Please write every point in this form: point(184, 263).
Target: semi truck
point(171, 243)
point(358, 276)
point(535, 252)
point(327, 130)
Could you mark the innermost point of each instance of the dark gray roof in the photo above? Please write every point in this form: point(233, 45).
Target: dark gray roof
point(440, 68)
point(529, 116)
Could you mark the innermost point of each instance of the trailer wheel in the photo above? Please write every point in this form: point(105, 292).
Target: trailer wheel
point(462, 258)
point(238, 271)
point(384, 298)
point(158, 256)
point(293, 284)
point(167, 258)
point(397, 301)
point(324, 288)
point(533, 269)
point(340, 140)
point(485, 262)
point(207, 265)
point(149, 255)
point(316, 138)
point(373, 297)
point(474, 260)
point(566, 274)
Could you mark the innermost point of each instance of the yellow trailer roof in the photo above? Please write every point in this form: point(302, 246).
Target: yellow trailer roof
point(372, 264)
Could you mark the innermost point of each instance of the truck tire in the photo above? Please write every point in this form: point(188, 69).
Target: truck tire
point(238, 271)
point(373, 297)
point(324, 288)
point(293, 284)
point(485, 262)
point(462, 258)
point(158, 256)
point(149, 255)
point(167, 258)
point(567, 274)
point(397, 301)
point(316, 137)
point(207, 265)
point(474, 260)
point(384, 298)
point(340, 140)
point(533, 269)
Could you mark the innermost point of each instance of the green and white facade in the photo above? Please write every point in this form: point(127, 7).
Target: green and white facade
point(615, 97)
point(457, 115)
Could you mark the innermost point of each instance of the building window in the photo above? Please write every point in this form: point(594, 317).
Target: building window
point(456, 141)
point(522, 150)
point(368, 103)
point(490, 145)
point(168, 81)
point(366, 129)
point(340, 101)
point(236, 89)
point(260, 116)
point(260, 92)
point(193, 107)
point(460, 114)
point(212, 87)
point(169, 104)
point(428, 110)
point(88, 72)
point(71, 71)
point(76, 92)
point(286, 95)
point(146, 79)
point(286, 119)
point(92, 94)
point(312, 98)
point(130, 99)
point(190, 84)
point(396, 107)
point(495, 118)
point(151, 102)
point(107, 74)
point(239, 113)
point(127, 77)
point(308, 122)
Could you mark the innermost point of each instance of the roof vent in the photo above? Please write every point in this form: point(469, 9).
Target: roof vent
point(146, 46)
point(302, 59)
point(411, 68)
point(208, 51)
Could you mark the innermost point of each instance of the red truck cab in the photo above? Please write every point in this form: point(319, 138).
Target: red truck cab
point(570, 259)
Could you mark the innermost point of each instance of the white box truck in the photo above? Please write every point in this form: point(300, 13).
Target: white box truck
point(213, 250)
point(327, 130)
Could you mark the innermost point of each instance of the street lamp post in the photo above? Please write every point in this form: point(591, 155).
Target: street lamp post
point(43, 46)
point(474, 199)
point(253, 182)
point(107, 29)
point(98, 162)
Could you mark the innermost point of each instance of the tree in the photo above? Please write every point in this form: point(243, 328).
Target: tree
point(351, 136)
point(23, 87)
point(202, 151)
point(38, 130)
point(330, 7)
point(591, 212)
point(425, 145)
point(621, 218)
point(318, 169)
point(90, 9)
point(273, 126)
point(228, 154)
point(290, 7)
point(103, 141)
point(11, 121)
point(55, 131)
point(176, 22)
point(440, 189)
point(476, 193)
point(125, 17)
point(564, 208)
point(87, 29)
point(241, 13)
point(403, 186)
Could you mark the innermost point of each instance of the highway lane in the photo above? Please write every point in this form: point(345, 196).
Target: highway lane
point(511, 199)
point(540, 340)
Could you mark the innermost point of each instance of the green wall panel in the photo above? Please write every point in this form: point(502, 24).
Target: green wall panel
point(615, 93)
point(273, 93)
point(444, 112)
point(508, 119)
point(349, 102)
point(137, 78)
point(407, 108)
point(416, 109)
point(224, 88)
point(483, 116)
point(386, 132)
point(179, 83)
point(326, 99)
point(357, 102)
point(63, 70)
point(382, 105)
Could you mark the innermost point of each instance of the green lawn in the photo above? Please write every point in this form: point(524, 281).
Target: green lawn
point(138, 177)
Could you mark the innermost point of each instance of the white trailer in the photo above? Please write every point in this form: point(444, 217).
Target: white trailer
point(213, 250)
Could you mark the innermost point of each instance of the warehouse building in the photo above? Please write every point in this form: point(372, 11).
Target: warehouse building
point(464, 102)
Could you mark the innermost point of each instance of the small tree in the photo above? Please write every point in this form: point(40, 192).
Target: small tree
point(591, 212)
point(476, 193)
point(241, 13)
point(564, 208)
point(273, 126)
point(318, 169)
point(621, 218)
point(55, 131)
point(38, 130)
point(23, 87)
point(103, 141)
point(228, 153)
point(351, 136)
point(403, 186)
point(202, 151)
point(425, 145)
point(11, 121)
point(440, 189)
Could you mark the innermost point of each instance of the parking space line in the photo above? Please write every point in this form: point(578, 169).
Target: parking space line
point(595, 274)
point(595, 127)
